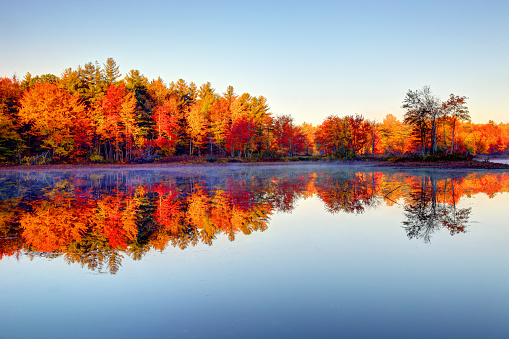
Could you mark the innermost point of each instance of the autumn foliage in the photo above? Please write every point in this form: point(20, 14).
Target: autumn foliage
point(92, 114)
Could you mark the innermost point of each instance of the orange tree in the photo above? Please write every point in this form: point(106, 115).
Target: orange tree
point(55, 117)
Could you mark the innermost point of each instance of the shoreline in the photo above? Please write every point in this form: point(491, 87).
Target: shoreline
point(451, 165)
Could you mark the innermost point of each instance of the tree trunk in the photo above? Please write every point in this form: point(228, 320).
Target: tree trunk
point(453, 130)
point(372, 142)
point(433, 136)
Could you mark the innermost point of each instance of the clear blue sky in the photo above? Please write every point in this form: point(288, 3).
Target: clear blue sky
point(310, 59)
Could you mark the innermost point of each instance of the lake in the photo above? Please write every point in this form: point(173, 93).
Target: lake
point(500, 160)
point(250, 252)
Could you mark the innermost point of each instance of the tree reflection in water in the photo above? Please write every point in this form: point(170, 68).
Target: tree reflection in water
point(351, 194)
point(96, 220)
point(425, 214)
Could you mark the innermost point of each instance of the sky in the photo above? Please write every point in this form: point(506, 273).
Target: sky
point(310, 59)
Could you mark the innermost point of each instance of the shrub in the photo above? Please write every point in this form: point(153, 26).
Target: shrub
point(96, 158)
point(211, 158)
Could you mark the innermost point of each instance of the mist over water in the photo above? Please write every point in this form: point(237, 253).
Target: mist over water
point(500, 161)
point(283, 251)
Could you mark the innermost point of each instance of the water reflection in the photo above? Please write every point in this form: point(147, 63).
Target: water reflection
point(97, 219)
point(430, 206)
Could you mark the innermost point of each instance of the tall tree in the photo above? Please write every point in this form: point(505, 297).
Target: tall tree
point(137, 83)
point(70, 81)
point(10, 140)
point(158, 92)
point(111, 72)
point(197, 127)
point(455, 109)
point(27, 81)
point(91, 81)
point(220, 119)
point(423, 109)
point(360, 132)
point(184, 96)
point(10, 93)
point(116, 122)
point(374, 136)
point(229, 94)
point(308, 130)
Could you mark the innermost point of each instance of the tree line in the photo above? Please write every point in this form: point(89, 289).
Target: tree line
point(92, 113)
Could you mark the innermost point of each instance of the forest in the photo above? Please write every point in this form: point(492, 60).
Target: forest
point(92, 114)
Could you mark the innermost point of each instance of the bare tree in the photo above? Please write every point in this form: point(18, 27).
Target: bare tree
point(423, 109)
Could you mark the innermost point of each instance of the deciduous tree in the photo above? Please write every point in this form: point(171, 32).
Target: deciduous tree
point(167, 128)
point(423, 109)
point(239, 137)
point(115, 117)
point(455, 109)
point(53, 115)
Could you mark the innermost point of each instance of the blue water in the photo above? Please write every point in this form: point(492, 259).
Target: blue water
point(311, 273)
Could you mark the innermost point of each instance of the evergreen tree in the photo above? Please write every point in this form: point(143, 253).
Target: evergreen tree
point(137, 83)
point(111, 72)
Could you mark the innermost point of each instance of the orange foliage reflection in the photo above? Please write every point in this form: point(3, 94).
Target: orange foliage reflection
point(96, 221)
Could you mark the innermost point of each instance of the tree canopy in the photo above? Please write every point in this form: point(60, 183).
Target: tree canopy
point(91, 113)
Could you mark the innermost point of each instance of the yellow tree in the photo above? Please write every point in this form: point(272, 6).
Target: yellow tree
point(394, 135)
point(256, 110)
point(220, 119)
point(197, 127)
point(128, 121)
point(308, 130)
point(158, 92)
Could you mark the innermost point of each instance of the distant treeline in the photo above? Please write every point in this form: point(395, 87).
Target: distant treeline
point(93, 114)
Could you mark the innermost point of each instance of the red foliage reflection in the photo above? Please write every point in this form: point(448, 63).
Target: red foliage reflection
point(94, 226)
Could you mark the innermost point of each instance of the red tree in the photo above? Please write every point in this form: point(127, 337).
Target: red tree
point(167, 129)
point(239, 136)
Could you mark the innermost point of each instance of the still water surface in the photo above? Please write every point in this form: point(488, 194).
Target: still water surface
point(312, 251)
point(500, 160)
